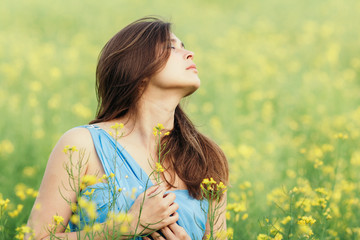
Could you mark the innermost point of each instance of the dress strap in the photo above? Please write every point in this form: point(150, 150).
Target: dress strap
point(104, 147)
point(115, 159)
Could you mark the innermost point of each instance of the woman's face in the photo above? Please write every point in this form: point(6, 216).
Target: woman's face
point(180, 72)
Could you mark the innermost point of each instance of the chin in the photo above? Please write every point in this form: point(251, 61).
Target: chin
point(192, 89)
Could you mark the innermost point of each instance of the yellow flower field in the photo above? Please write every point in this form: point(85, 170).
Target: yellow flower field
point(280, 94)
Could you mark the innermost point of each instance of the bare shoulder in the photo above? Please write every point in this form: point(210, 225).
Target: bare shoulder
point(78, 136)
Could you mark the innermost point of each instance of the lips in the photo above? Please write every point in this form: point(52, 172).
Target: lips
point(193, 66)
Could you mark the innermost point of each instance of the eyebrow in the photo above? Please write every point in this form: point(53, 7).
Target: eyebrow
point(174, 40)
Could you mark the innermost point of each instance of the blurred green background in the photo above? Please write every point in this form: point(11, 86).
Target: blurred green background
point(280, 95)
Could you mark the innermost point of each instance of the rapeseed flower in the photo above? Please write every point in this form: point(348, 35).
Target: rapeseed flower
point(286, 220)
point(262, 236)
point(157, 130)
point(88, 193)
point(69, 149)
point(87, 180)
point(88, 206)
point(4, 203)
point(117, 126)
point(57, 219)
point(159, 168)
point(75, 219)
point(20, 232)
point(306, 220)
point(6, 147)
point(17, 211)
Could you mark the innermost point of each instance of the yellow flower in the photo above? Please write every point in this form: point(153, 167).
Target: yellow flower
point(157, 129)
point(4, 203)
point(230, 233)
point(124, 228)
point(21, 232)
point(306, 220)
point(305, 229)
point(341, 136)
point(245, 216)
point(29, 171)
point(89, 206)
point(221, 235)
point(212, 181)
point(278, 236)
point(117, 126)
point(87, 180)
point(286, 220)
point(160, 126)
point(91, 210)
point(263, 237)
point(58, 219)
point(111, 175)
point(6, 147)
point(88, 193)
point(167, 133)
point(69, 149)
point(97, 227)
point(237, 207)
point(16, 212)
point(82, 202)
point(20, 191)
point(221, 186)
point(245, 185)
point(31, 192)
point(73, 207)
point(73, 149)
point(159, 168)
point(119, 218)
point(75, 219)
point(87, 229)
point(205, 181)
point(66, 149)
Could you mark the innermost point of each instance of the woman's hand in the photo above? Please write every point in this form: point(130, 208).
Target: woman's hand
point(158, 210)
point(171, 232)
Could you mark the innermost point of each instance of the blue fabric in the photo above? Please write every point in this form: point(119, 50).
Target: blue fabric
point(133, 180)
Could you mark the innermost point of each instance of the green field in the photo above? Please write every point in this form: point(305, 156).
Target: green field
point(280, 94)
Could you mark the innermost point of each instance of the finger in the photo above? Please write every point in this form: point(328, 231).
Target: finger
point(168, 233)
point(178, 231)
point(171, 219)
point(174, 227)
point(151, 190)
point(158, 192)
point(170, 198)
point(173, 207)
point(157, 236)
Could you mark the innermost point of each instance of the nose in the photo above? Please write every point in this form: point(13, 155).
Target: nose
point(190, 55)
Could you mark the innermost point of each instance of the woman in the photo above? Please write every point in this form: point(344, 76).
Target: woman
point(142, 74)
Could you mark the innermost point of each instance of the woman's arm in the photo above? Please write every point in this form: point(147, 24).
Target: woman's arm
point(220, 220)
point(156, 208)
point(55, 183)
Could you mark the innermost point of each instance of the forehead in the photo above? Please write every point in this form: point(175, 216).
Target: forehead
point(175, 40)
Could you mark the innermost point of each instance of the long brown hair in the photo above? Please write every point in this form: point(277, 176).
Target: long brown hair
point(133, 55)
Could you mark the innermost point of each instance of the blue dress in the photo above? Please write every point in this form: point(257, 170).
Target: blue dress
point(133, 180)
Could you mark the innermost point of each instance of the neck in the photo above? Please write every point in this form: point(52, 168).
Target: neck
point(150, 112)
